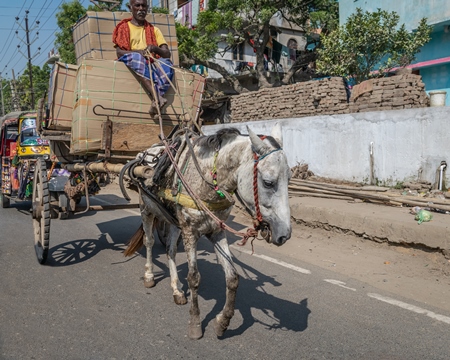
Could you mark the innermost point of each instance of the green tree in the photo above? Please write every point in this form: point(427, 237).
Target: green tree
point(7, 98)
point(106, 5)
point(40, 85)
point(68, 15)
point(323, 15)
point(252, 26)
point(370, 41)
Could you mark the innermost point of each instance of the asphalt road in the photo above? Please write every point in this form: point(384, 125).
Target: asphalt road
point(88, 302)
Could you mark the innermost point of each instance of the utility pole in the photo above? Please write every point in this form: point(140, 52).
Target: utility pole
point(1, 90)
point(29, 60)
point(29, 57)
point(15, 102)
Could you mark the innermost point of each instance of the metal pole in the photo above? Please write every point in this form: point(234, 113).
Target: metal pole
point(1, 90)
point(29, 60)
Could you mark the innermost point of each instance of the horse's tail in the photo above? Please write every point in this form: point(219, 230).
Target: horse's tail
point(136, 242)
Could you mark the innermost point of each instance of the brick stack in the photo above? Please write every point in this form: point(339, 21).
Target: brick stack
point(329, 97)
point(392, 93)
point(326, 96)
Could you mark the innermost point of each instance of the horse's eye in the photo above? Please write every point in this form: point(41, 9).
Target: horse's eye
point(268, 184)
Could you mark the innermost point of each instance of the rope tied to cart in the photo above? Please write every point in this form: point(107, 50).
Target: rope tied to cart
point(258, 223)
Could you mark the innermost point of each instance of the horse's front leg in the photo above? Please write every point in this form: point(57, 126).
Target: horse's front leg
point(224, 257)
point(193, 278)
point(149, 277)
point(172, 244)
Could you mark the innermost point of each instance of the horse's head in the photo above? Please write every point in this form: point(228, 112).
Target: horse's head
point(273, 174)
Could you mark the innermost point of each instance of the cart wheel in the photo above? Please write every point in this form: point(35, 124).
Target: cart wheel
point(54, 205)
point(5, 201)
point(41, 211)
point(162, 231)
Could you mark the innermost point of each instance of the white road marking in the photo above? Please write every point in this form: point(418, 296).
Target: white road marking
point(338, 283)
point(410, 307)
point(272, 260)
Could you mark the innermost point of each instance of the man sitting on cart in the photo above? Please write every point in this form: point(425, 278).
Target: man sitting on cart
point(135, 38)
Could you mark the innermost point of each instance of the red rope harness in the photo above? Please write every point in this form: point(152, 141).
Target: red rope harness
point(253, 233)
point(250, 233)
point(255, 188)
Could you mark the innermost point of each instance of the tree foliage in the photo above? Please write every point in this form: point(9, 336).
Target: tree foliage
point(40, 85)
point(369, 41)
point(247, 21)
point(323, 15)
point(68, 15)
point(22, 88)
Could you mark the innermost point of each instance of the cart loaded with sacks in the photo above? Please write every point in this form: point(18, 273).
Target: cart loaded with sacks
point(96, 119)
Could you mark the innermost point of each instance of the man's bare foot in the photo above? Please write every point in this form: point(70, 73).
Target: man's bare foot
point(153, 109)
point(162, 102)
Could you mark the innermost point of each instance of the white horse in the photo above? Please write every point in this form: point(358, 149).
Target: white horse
point(253, 167)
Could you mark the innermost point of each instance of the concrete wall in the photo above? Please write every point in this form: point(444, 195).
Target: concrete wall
point(408, 145)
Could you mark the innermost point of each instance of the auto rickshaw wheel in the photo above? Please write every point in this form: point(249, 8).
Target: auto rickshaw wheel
point(41, 211)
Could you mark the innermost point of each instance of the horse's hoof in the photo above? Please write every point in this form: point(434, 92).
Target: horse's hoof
point(219, 329)
point(149, 283)
point(195, 332)
point(180, 299)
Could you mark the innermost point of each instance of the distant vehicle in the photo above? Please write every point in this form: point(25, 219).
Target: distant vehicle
point(20, 147)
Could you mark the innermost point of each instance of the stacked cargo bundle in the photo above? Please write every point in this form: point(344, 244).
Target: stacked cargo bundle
point(60, 96)
point(92, 34)
point(110, 109)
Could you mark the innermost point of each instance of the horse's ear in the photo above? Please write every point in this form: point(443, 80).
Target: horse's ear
point(277, 133)
point(258, 145)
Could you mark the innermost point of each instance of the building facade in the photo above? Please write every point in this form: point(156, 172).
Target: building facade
point(433, 62)
point(286, 40)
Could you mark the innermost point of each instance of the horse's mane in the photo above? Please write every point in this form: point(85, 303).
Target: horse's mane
point(273, 142)
point(215, 141)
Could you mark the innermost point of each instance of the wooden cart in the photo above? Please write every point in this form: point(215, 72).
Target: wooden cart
point(103, 136)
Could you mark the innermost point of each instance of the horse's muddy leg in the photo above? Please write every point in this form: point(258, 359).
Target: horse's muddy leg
point(193, 278)
point(222, 250)
point(149, 277)
point(172, 244)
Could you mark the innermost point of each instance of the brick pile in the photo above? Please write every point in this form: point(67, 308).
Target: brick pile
point(392, 93)
point(329, 97)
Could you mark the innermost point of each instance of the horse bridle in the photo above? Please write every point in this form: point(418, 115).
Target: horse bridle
point(258, 222)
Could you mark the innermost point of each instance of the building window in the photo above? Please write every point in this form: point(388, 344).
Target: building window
point(292, 46)
point(238, 52)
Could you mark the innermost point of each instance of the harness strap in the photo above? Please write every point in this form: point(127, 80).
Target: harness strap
point(187, 201)
point(197, 166)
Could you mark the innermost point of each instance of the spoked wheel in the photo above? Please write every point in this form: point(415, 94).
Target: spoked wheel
point(162, 230)
point(41, 211)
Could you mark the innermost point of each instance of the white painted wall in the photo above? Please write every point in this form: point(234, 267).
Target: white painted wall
point(407, 144)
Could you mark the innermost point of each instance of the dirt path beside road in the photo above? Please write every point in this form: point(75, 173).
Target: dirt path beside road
point(412, 273)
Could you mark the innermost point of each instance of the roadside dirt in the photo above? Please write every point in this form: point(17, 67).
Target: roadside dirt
point(411, 273)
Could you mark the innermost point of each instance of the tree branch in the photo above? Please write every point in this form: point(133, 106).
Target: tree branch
point(230, 79)
point(300, 62)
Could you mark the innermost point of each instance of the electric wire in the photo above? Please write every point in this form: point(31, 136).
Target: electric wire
point(9, 35)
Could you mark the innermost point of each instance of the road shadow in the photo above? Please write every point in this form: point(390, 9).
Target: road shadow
point(114, 235)
point(21, 206)
point(252, 294)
